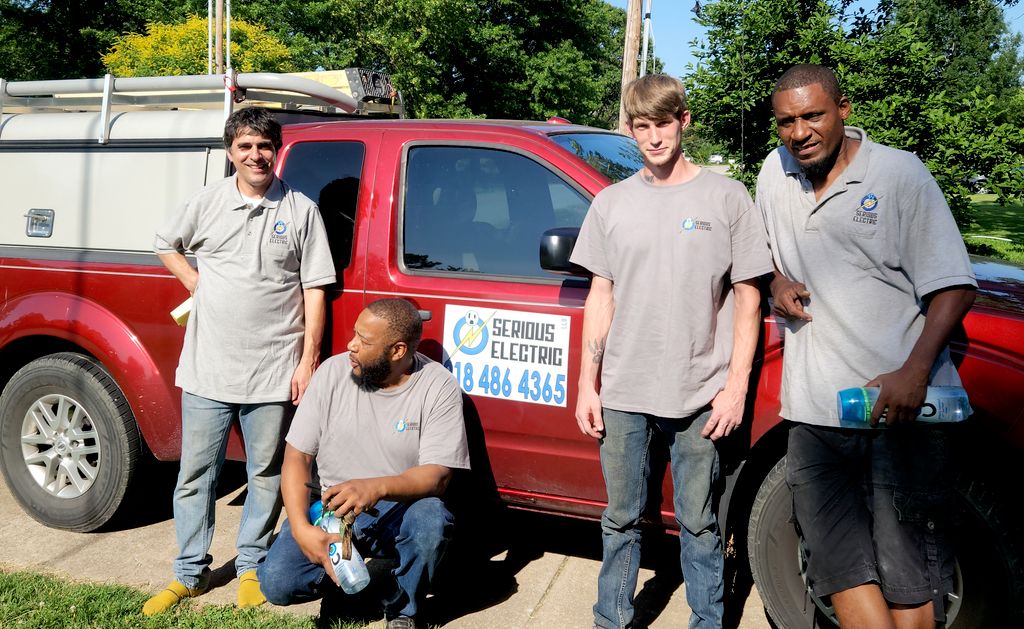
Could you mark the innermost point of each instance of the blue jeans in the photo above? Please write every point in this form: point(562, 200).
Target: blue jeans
point(204, 438)
point(416, 532)
point(625, 462)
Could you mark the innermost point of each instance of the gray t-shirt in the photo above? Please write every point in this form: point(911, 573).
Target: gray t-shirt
point(358, 434)
point(672, 253)
point(244, 337)
point(879, 240)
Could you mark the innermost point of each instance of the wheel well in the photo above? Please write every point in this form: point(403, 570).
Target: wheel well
point(743, 483)
point(988, 456)
point(21, 352)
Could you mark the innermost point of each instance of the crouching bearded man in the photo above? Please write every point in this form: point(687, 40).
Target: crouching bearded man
point(385, 427)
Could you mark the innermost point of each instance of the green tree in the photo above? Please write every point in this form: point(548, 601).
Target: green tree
point(749, 44)
point(176, 49)
point(493, 58)
point(893, 78)
point(63, 39)
point(464, 58)
point(697, 147)
point(972, 37)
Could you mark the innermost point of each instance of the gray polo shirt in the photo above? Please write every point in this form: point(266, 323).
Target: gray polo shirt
point(244, 337)
point(358, 434)
point(879, 240)
point(672, 253)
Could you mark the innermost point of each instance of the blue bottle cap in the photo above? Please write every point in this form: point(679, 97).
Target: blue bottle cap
point(854, 406)
point(316, 513)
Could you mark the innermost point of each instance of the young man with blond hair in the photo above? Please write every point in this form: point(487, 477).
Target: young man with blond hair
point(669, 332)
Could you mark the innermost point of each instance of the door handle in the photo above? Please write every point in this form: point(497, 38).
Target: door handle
point(426, 315)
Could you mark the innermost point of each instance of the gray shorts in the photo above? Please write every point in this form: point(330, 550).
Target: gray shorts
point(873, 506)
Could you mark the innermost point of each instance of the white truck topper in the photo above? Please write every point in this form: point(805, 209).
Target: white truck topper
point(99, 164)
point(179, 107)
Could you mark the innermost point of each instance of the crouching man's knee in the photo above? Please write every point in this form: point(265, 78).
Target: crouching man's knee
point(429, 525)
point(273, 584)
point(287, 576)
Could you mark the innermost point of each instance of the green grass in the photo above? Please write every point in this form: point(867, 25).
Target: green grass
point(37, 601)
point(992, 219)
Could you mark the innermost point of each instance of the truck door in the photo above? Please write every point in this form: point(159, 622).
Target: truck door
point(332, 173)
point(463, 242)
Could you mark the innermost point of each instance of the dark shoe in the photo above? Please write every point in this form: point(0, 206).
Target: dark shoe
point(402, 622)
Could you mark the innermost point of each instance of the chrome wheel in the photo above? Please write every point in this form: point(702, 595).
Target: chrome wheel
point(60, 446)
point(69, 445)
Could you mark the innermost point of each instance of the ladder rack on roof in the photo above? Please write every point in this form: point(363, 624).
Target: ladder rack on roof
point(350, 91)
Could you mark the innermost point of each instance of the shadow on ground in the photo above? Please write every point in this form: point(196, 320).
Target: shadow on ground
point(152, 493)
point(481, 568)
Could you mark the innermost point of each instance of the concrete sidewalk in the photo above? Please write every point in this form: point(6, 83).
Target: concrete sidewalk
point(546, 578)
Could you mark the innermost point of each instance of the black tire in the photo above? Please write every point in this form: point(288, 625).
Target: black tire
point(989, 561)
point(774, 552)
point(69, 475)
point(989, 587)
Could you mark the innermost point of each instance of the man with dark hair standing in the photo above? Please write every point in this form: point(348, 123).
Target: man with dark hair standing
point(385, 427)
point(872, 277)
point(252, 342)
point(669, 331)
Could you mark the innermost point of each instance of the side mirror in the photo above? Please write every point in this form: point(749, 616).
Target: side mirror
point(555, 247)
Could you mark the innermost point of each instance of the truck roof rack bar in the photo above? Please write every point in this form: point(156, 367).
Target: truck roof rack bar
point(201, 82)
point(350, 91)
point(168, 91)
point(108, 89)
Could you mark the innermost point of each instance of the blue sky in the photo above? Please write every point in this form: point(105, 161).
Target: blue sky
point(674, 29)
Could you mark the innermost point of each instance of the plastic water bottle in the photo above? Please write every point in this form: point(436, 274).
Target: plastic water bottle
point(941, 404)
point(352, 573)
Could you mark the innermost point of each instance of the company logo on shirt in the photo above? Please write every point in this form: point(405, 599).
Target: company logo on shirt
point(280, 235)
point(867, 212)
point(692, 224)
point(403, 425)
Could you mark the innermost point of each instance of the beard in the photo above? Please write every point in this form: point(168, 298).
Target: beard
point(372, 375)
point(820, 168)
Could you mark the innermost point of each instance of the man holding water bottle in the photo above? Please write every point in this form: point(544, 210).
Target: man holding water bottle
point(385, 427)
point(872, 277)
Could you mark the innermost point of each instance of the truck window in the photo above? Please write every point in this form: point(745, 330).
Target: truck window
point(616, 156)
point(328, 173)
point(481, 210)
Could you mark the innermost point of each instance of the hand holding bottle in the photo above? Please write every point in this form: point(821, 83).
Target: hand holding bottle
point(348, 566)
point(941, 404)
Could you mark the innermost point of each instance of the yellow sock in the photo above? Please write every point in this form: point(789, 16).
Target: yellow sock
point(171, 596)
point(249, 594)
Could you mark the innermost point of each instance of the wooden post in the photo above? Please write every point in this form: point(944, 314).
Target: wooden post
point(631, 49)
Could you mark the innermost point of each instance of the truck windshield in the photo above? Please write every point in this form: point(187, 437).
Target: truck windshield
point(615, 156)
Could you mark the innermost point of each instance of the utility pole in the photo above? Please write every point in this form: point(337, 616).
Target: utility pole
point(647, 38)
point(227, 48)
point(209, 36)
point(218, 49)
point(630, 51)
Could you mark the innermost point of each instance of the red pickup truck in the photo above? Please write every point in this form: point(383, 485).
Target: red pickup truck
point(473, 222)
